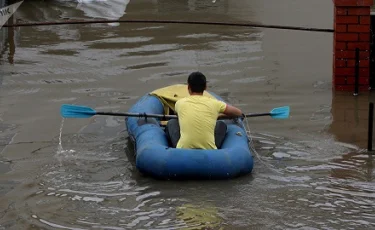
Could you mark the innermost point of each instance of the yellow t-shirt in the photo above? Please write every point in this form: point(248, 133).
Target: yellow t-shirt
point(197, 117)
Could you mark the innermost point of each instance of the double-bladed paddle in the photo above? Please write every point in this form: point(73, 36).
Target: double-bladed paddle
point(78, 111)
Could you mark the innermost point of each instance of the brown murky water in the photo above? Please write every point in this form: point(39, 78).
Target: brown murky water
point(311, 171)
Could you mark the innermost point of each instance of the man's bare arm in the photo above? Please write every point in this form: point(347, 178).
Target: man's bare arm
point(232, 111)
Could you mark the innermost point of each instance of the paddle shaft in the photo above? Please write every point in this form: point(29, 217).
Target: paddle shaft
point(258, 114)
point(137, 115)
point(171, 116)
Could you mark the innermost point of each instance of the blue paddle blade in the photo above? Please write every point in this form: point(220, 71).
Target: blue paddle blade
point(76, 111)
point(280, 113)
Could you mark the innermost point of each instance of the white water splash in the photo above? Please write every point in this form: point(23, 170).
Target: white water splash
point(60, 148)
point(60, 151)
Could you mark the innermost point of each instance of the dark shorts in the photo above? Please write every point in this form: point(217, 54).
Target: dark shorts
point(173, 132)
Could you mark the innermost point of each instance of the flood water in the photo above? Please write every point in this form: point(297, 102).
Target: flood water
point(311, 171)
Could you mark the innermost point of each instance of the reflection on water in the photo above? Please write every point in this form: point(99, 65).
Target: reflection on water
point(107, 9)
point(350, 118)
point(198, 217)
point(310, 171)
point(8, 39)
point(53, 10)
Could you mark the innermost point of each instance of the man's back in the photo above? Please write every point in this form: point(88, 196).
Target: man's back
point(197, 117)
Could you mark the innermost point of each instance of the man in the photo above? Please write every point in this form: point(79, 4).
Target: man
point(197, 126)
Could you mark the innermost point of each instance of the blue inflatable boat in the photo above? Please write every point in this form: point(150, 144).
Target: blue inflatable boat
point(156, 158)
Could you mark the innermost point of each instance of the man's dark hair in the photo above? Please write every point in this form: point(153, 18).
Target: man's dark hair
point(197, 82)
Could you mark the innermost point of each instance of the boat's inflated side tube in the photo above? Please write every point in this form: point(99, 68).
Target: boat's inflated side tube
point(154, 156)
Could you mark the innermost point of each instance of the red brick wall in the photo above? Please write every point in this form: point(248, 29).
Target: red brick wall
point(352, 30)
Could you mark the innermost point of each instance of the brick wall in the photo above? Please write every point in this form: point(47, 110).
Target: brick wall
point(352, 30)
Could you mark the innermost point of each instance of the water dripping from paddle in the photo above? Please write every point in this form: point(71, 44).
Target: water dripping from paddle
point(61, 153)
point(60, 148)
point(252, 147)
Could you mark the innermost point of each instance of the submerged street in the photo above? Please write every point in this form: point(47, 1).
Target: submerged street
point(311, 171)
